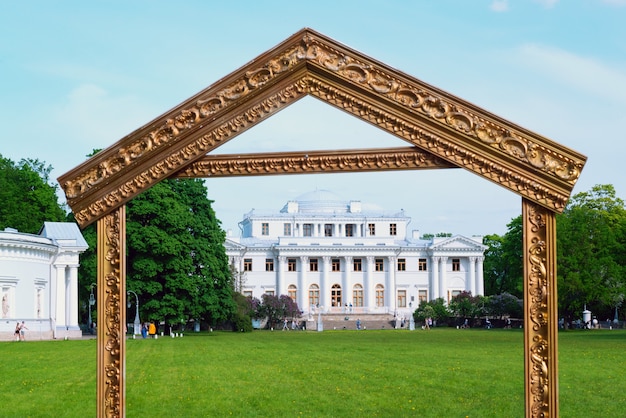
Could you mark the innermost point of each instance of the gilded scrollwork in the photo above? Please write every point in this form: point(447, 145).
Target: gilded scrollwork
point(540, 309)
point(354, 68)
point(110, 323)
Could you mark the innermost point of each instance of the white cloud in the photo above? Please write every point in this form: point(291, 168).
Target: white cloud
point(583, 73)
point(499, 6)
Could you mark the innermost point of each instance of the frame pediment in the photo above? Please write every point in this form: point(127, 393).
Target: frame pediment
point(442, 131)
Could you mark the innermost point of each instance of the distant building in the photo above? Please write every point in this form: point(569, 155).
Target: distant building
point(39, 281)
point(333, 254)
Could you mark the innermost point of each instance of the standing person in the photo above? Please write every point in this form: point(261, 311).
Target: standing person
point(17, 331)
point(358, 324)
point(144, 330)
point(23, 329)
point(152, 329)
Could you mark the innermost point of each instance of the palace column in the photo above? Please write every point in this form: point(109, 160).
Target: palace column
point(368, 286)
point(480, 280)
point(443, 285)
point(280, 273)
point(435, 278)
point(347, 281)
point(470, 285)
point(302, 282)
point(324, 282)
point(391, 301)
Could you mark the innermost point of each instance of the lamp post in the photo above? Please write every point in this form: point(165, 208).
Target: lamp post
point(137, 324)
point(92, 301)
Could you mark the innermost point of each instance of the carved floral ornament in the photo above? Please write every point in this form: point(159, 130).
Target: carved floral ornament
point(183, 134)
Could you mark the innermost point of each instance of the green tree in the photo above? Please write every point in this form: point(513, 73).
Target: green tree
point(177, 263)
point(28, 198)
point(464, 305)
point(435, 309)
point(591, 242)
point(503, 265)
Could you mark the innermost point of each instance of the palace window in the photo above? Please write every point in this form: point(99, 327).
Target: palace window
point(313, 264)
point(393, 229)
point(372, 229)
point(292, 292)
point(456, 264)
point(379, 264)
point(307, 230)
point(269, 264)
point(265, 228)
point(357, 264)
point(349, 230)
point(328, 230)
point(287, 230)
point(335, 264)
point(357, 295)
point(335, 295)
point(314, 295)
point(247, 264)
point(401, 264)
point(422, 295)
point(421, 265)
point(291, 264)
point(380, 296)
point(269, 292)
point(401, 298)
point(247, 293)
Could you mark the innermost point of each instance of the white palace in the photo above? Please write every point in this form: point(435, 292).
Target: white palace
point(332, 254)
point(39, 281)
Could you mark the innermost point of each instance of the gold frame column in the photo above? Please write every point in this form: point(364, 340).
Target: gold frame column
point(540, 311)
point(111, 249)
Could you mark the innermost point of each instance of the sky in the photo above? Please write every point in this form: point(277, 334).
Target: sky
point(77, 76)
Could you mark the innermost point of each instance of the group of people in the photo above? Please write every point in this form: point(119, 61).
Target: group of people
point(148, 330)
point(20, 331)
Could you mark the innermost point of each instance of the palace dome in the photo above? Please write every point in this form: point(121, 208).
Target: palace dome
point(320, 201)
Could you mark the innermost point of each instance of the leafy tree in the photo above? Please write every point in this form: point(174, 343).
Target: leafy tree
point(503, 265)
point(176, 259)
point(505, 304)
point(590, 251)
point(464, 305)
point(28, 198)
point(278, 308)
point(435, 309)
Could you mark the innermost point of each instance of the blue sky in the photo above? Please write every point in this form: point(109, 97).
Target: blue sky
point(77, 76)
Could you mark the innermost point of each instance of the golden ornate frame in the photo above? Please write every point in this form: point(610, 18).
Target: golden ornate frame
point(442, 131)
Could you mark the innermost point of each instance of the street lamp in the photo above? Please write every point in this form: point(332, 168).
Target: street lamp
point(137, 324)
point(92, 301)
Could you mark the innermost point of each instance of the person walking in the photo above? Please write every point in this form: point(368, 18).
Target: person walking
point(23, 329)
point(17, 331)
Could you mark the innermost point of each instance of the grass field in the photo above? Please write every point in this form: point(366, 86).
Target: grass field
point(441, 373)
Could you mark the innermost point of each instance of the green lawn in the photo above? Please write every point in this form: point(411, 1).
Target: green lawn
point(441, 373)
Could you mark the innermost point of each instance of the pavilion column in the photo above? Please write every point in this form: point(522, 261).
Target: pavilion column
point(540, 311)
point(111, 248)
point(61, 296)
point(72, 303)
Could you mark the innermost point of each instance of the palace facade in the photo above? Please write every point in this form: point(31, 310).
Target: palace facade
point(335, 255)
point(39, 281)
